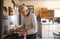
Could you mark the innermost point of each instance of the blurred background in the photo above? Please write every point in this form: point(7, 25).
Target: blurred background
point(47, 13)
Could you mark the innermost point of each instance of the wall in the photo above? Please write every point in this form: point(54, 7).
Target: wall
point(37, 4)
point(8, 3)
point(38, 0)
point(41, 4)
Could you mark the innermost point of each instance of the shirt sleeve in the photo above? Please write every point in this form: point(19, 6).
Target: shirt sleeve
point(34, 23)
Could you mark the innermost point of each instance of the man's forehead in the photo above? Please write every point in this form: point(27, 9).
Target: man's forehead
point(24, 8)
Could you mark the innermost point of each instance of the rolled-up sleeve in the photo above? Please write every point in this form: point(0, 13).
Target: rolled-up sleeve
point(34, 24)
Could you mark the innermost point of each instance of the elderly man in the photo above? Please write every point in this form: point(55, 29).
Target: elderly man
point(29, 22)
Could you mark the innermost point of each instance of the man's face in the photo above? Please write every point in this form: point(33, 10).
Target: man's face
point(24, 12)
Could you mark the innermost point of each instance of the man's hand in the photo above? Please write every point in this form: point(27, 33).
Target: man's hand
point(23, 33)
point(17, 29)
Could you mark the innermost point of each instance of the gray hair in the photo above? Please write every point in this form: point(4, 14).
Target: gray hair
point(24, 8)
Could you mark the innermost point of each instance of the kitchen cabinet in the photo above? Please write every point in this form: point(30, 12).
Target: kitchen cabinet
point(58, 28)
point(57, 13)
point(44, 30)
point(47, 30)
point(45, 13)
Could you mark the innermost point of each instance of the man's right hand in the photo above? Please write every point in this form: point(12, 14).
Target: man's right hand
point(23, 33)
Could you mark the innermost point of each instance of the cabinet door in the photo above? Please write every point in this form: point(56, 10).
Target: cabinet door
point(44, 30)
point(51, 29)
point(58, 27)
point(50, 33)
point(47, 30)
point(45, 13)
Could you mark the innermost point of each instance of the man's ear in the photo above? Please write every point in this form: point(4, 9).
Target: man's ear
point(27, 10)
